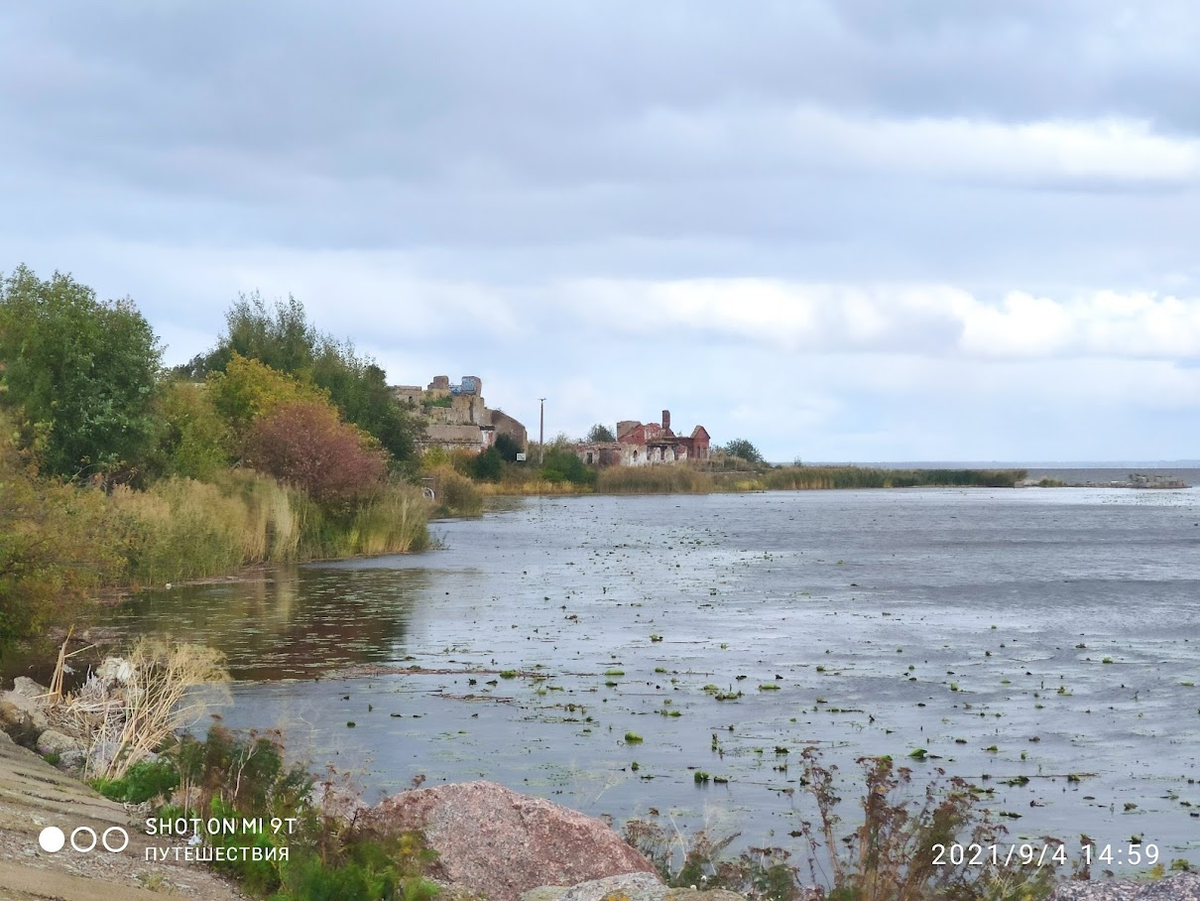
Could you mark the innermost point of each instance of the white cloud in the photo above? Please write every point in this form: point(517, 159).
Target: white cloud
point(778, 138)
point(919, 319)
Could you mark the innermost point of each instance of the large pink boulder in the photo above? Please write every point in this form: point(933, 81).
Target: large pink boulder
point(502, 843)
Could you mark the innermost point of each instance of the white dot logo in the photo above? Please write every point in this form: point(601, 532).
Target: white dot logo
point(52, 839)
point(84, 839)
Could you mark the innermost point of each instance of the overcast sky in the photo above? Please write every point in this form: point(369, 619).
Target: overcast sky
point(855, 230)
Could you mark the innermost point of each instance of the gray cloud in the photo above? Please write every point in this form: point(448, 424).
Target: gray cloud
point(460, 170)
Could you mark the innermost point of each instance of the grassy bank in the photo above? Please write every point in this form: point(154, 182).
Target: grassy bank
point(183, 529)
point(62, 544)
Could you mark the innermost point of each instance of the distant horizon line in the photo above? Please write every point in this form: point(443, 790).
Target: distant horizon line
point(998, 464)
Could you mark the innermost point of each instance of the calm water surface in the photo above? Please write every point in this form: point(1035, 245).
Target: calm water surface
point(1039, 634)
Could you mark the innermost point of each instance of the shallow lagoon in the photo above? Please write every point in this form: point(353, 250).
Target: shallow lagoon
point(1034, 634)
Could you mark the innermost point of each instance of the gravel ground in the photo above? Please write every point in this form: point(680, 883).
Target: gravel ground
point(1183, 887)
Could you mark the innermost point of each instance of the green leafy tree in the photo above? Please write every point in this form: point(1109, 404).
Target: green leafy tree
point(82, 373)
point(740, 447)
point(600, 433)
point(194, 440)
point(282, 338)
point(248, 389)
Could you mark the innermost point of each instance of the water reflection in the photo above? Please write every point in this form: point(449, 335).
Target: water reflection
point(288, 623)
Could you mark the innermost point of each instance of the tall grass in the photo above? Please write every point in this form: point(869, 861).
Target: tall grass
point(183, 529)
point(394, 522)
point(786, 478)
point(675, 479)
point(689, 478)
point(454, 493)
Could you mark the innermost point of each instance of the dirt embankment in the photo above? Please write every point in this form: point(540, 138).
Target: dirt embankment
point(34, 796)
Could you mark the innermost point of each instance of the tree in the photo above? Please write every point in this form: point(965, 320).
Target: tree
point(283, 339)
point(82, 373)
point(249, 389)
point(740, 447)
point(600, 433)
point(303, 442)
point(194, 440)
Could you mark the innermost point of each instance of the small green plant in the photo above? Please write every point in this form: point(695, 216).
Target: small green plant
point(700, 777)
point(632, 738)
point(146, 780)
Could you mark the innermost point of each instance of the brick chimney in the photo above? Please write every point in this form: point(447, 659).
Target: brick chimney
point(666, 423)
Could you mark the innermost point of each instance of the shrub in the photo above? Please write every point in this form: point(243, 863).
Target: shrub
point(488, 466)
point(146, 780)
point(507, 447)
point(564, 465)
point(248, 389)
point(890, 855)
point(455, 494)
point(304, 443)
point(56, 545)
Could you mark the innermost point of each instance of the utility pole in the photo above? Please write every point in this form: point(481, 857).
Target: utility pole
point(542, 434)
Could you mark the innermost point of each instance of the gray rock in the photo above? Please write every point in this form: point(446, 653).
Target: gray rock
point(636, 886)
point(21, 716)
point(493, 840)
point(51, 741)
point(545, 893)
point(30, 690)
point(1182, 887)
point(629, 887)
point(71, 760)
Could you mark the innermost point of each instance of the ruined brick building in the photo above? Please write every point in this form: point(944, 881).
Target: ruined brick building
point(456, 416)
point(646, 443)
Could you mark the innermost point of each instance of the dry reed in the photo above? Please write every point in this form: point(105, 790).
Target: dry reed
point(130, 707)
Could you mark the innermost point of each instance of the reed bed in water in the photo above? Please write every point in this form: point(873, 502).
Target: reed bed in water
point(183, 529)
